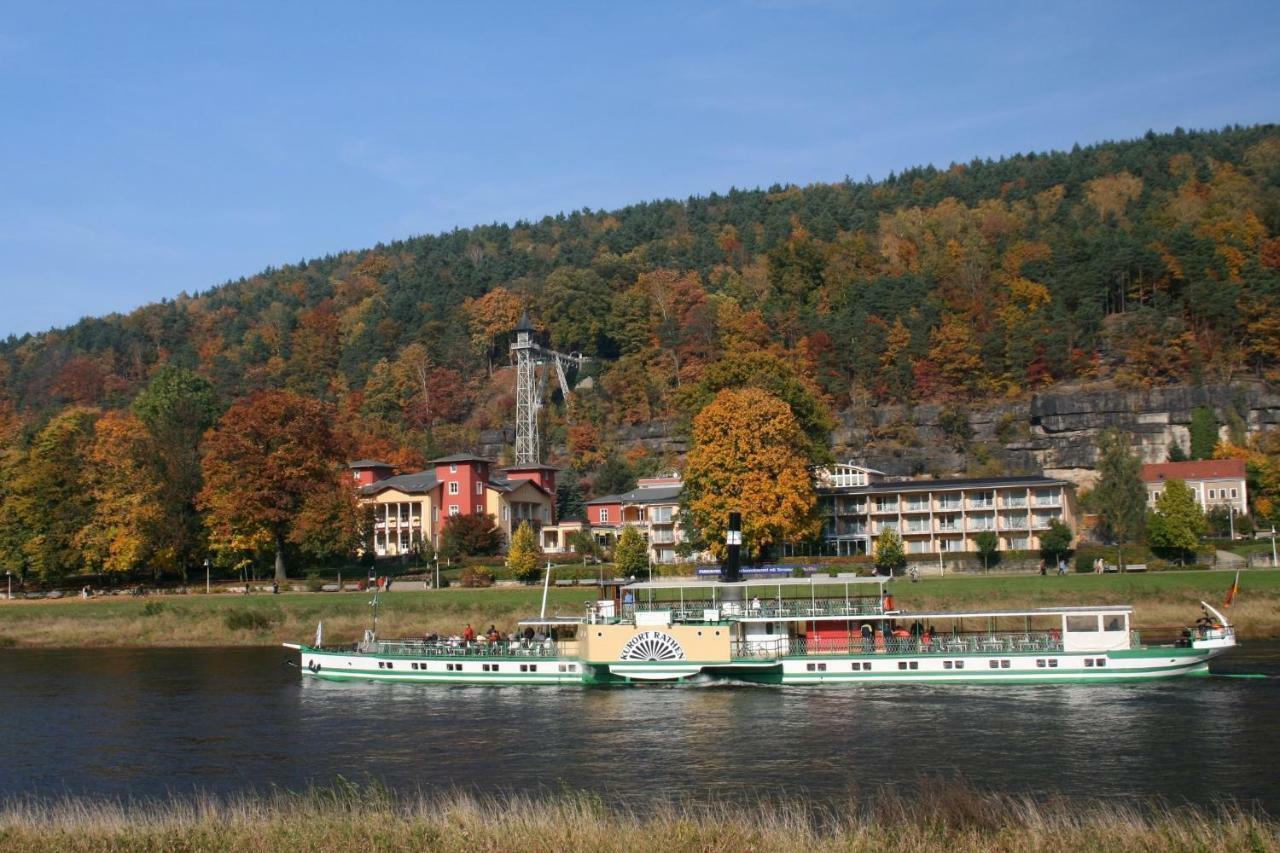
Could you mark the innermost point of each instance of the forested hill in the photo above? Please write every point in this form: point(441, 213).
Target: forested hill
point(1144, 262)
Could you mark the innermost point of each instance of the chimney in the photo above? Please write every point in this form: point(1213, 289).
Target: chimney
point(731, 571)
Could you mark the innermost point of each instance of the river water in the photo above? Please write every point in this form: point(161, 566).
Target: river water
point(150, 722)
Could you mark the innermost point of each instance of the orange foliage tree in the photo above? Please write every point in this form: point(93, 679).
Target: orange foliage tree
point(272, 458)
point(127, 501)
point(748, 454)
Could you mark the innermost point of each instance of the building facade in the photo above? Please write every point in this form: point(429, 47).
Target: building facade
point(410, 509)
point(1216, 483)
point(653, 508)
point(932, 516)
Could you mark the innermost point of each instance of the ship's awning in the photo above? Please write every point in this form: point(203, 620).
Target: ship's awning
point(910, 615)
point(755, 583)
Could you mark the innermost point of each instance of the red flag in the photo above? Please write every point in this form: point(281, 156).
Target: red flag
point(1231, 593)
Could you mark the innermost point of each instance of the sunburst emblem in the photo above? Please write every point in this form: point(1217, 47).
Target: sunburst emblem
point(652, 645)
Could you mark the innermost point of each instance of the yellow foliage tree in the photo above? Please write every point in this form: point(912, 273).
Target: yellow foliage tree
point(127, 504)
point(748, 454)
point(524, 557)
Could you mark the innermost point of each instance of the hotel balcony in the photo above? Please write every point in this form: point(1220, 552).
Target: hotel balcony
point(923, 506)
point(884, 509)
point(1013, 524)
point(1015, 503)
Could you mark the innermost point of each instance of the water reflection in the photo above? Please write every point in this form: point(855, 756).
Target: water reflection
point(147, 722)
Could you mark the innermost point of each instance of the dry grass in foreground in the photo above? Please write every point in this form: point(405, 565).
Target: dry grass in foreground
point(937, 816)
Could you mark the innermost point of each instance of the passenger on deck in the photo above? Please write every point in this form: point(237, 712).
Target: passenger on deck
point(493, 634)
point(528, 633)
point(868, 636)
point(468, 634)
point(755, 604)
point(628, 599)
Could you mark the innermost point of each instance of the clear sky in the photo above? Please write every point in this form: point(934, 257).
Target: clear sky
point(148, 149)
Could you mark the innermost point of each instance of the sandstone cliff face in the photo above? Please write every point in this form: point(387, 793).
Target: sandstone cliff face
point(1055, 432)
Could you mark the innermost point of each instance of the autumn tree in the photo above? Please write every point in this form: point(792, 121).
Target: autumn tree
point(126, 522)
point(1178, 522)
point(890, 557)
point(779, 379)
point(490, 318)
point(469, 535)
point(48, 497)
point(524, 557)
point(749, 454)
point(631, 554)
point(176, 407)
point(271, 458)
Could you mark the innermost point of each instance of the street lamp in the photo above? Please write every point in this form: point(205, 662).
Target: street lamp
point(207, 589)
point(1274, 563)
point(8, 575)
point(437, 559)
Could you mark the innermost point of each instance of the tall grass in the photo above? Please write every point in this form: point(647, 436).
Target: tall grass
point(934, 816)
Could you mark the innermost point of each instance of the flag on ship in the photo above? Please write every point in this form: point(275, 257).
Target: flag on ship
point(1231, 593)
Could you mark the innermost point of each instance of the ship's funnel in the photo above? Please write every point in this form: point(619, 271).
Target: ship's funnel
point(731, 570)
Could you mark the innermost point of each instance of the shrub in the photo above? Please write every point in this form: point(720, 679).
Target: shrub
point(153, 608)
point(475, 576)
point(251, 619)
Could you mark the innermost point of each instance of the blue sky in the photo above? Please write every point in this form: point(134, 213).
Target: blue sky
point(148, 149)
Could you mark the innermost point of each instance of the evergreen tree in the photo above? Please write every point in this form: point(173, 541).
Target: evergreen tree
point(1204, 432)
point(614, 477)
point(1177, 522)
point(569, 504)
point(1120, 498)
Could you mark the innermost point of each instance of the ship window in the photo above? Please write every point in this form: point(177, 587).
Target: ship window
point(380, 664)
point(573, 667)
point(810, 667)
point(1088, 661)
point(867, 666)
point(994, 664)
point(902, 664)
point(946, 664)
point(1040, 663)
point(1053, 663)
point(1082, 623)
point(1004, 664)
point(533, 667)
point(561, 667)
point(915, 665)
point(717, 633)
point(1102, 661)
point(1115, 623)
point(822, 667)
point(959, 664)
point(524, 667)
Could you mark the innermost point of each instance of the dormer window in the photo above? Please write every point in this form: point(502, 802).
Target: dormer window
point(453, 469)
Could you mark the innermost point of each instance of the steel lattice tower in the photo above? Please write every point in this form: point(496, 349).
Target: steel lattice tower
point(527, 402)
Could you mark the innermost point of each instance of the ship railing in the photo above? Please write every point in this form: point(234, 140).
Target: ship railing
point(449, 649)
point(695, 611)
point(942, 644)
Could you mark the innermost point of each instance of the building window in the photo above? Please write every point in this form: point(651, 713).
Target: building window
point(604, 515)
point(453, 509)
point(479, 509)
point(1211, 494)
point(479, 488)
point(453, 469)
point(1233, 493)
point(453, 487)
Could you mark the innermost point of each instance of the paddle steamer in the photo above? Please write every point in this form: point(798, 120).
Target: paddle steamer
point(815, 630)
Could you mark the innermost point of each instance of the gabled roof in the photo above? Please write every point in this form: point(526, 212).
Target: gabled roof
point(457, 457)
point(1207, 469)
point(369, 463)
point(411, 484)
point(535, 467)
point(503, 484)
point(646, 495)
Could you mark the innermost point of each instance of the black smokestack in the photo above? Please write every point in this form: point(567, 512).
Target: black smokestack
point(731, 571)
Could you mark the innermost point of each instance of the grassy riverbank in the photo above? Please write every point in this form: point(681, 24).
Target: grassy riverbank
point(1164, 601)
point(934, 817)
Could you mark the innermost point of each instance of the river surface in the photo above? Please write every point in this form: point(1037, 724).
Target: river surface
point(150, 722)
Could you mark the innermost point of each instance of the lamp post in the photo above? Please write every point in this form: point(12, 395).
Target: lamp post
point(8, 575)
point(437, 560)
point(1274, 563)
point(207, 588)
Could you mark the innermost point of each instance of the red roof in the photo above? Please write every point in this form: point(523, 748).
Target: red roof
point(1208, 469)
